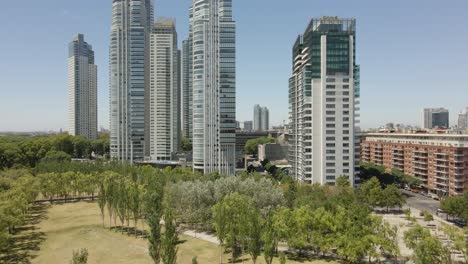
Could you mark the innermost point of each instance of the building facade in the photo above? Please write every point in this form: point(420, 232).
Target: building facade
point(273, 151)
point(435, 118)
point(164, 96)
point(323, 98)
point(440, 161)
point(132, 21)
point(82, 99)
point(214, 86)
point(187, 95)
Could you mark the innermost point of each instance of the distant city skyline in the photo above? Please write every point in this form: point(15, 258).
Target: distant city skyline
point(395, 87)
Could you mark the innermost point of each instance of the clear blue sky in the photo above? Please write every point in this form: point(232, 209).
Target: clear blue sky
point(413, 54)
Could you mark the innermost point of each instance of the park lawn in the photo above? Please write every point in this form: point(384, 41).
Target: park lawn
point(72, 226)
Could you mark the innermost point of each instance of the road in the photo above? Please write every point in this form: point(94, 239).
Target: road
point(420, 202)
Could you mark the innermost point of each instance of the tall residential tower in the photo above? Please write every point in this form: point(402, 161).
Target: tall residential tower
point(82, 105)
point(323, 94)
point(214, 86)
point(164, 91)
point(129, 78)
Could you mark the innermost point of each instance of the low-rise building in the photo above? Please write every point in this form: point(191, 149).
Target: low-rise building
point(273, 151)
point(440, 161)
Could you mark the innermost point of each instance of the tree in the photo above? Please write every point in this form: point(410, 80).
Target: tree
point(56, 156)
point(80, 257)
point(186, 144)
point(230, 220)
point(370, 192)
point(391, 197)
point(426, 248)
point(428, 217)
point(194, 260)
point(282, 258)
point(459, 242)
point(301, 227)
point(153, 209)
point(452, 205)
point(251, 146)
point(169, 238)
point(253, 224)
point(269, 239)
point(388, 242)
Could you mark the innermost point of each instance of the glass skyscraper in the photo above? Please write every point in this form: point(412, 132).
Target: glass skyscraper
point(214, 86)
point(129, 78)
point(323, 98)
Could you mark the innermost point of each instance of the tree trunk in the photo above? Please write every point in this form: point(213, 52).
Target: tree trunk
point(221, 253)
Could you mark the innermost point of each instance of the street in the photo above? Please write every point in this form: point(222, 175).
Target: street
point(420, 202)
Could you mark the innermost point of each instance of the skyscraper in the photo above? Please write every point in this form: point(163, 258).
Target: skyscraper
point(164, 93)
point(265, 121)
point(257, 124)
point(187, 117)
point(214, 86)
point(129, 78)
point(82, 105)
point(261, 118)
point(435, 117)
point(323, 94)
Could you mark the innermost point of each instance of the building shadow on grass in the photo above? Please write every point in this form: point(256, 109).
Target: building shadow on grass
point(25, 241)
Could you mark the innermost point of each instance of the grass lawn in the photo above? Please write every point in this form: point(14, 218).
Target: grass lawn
point(54, 232)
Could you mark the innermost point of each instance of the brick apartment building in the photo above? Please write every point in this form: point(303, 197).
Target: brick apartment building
point(439, 160)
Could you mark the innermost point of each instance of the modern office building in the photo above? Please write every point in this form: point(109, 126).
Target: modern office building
point(323, 99)
point(261, 120)
point(435, 118)
point(463, 120)
point(248, 126)
point(214, 86)
point(164, 96)
point(82, 99)
point(132, 21)
point(440, 161)
point(187, 117)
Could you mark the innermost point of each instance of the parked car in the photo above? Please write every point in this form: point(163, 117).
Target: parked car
point(460, 222)
point(440, 211)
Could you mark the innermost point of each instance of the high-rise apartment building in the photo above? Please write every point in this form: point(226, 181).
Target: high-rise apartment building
point(187, 117)
point(214, 86)
point(323, 98)
point(164, 95)
point(435, 118)
point(261, 120)
point(82, 105)
point(132, 21)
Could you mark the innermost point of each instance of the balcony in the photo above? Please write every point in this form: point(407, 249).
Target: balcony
point(418, 161)
point(442, 165)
